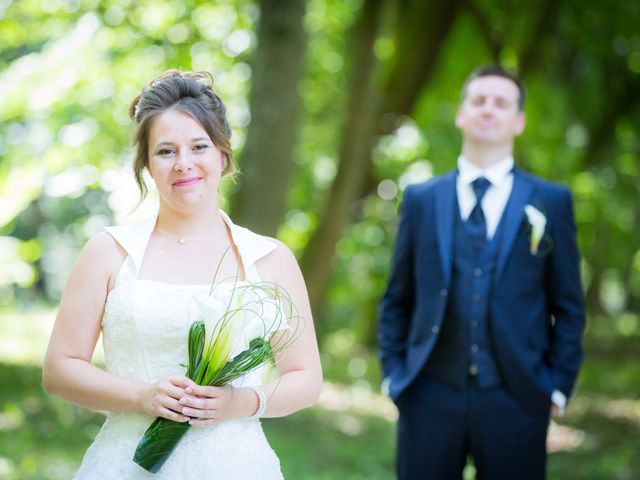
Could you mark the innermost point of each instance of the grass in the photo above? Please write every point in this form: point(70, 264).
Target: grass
point(349, 435)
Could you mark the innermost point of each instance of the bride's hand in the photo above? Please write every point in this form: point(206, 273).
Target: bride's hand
point(211, 405)
point(161, 399)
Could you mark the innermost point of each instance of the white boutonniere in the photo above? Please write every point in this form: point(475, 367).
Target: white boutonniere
point(538, 222)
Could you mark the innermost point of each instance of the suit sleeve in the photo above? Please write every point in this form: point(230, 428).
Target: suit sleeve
point(397, 304)
point(566, 299)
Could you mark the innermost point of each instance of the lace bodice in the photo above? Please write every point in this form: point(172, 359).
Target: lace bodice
point(144, 330)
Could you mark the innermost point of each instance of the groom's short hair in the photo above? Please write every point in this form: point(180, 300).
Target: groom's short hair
point(496, 71)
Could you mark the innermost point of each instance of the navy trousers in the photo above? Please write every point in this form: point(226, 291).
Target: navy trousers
point(440, 426)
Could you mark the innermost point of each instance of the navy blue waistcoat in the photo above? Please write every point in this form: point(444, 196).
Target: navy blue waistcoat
point(464, 343)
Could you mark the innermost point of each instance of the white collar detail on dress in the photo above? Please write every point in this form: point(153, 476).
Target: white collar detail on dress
point(251, 246)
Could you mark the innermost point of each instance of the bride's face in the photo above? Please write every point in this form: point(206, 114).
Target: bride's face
point(183, 161)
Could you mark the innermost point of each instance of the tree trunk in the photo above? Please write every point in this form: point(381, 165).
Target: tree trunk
point(493, 38)
point(622, 101)
point(354, 154)
point(633, 299)
point(421, 30)
point(598, 265)
point(531, 52)
point(275, 104)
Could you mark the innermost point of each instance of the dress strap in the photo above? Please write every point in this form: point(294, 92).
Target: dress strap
point(133, 239)
point(251, 274)
point(250, 246)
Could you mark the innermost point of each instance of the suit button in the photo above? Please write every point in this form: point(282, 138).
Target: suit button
point(435, 329)
point(443, 292)
point(477, 297)
point(477, 272)
point(474, 348)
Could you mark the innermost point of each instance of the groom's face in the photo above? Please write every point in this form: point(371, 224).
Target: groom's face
point(489, 113)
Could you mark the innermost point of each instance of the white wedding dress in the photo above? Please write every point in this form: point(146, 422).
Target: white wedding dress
point(145, 328)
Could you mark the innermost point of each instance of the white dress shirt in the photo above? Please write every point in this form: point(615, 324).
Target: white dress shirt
point(500, 175)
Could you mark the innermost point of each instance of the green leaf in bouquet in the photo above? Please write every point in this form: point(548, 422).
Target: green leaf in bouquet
point(158, 442)
point(196, 347)
point(258, 354)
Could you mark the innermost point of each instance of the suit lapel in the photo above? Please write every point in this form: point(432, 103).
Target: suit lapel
point(445, 205)
point(513, 215)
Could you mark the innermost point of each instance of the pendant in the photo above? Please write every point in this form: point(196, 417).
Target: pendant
point(182, 241)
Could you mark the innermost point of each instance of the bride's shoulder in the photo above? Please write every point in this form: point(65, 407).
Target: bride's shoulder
point(279, 262)
point(280, 249)
point(103, 250)
point(273, 259)
point(96, 267)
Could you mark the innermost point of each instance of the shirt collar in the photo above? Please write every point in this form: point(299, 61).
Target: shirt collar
point(496, 173)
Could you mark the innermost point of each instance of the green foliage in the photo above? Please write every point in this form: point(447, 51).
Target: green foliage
point(350, 434)
point(64, 127)
point(338, 445)
point(41, 438)
point(69, 69)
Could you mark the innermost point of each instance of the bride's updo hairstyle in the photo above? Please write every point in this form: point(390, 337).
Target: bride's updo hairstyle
point(188, 92)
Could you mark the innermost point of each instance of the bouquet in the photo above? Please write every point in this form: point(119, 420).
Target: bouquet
point(230, 340)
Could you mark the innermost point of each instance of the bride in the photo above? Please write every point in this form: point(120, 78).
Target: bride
point(136, 284)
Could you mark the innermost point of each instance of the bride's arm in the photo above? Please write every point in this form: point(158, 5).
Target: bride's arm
point(68, 371)
point(299, 366)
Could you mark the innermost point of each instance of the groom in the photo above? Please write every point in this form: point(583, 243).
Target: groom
point(481, 323)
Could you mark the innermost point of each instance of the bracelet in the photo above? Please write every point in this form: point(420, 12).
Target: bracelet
point(262, 402)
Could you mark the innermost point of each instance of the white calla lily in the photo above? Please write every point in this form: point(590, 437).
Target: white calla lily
point(239, 316)
point(538, 222)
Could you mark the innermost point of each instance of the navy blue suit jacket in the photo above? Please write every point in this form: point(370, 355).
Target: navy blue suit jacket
point(536, 308)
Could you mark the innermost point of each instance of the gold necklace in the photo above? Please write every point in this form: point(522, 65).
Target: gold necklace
point(183, 240)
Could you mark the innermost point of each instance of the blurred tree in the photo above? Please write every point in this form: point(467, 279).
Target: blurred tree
point(342, 104)
point(375, 108)
point(275, 104)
